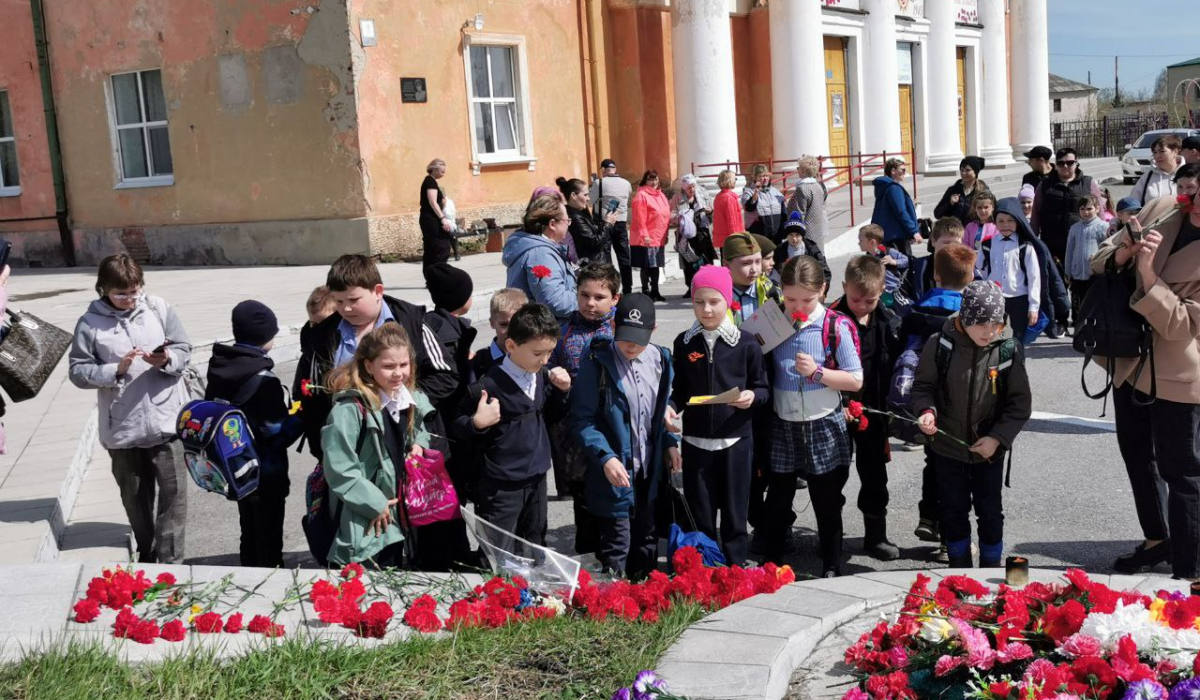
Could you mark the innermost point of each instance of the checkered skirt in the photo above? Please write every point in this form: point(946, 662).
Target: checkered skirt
point(810, 447)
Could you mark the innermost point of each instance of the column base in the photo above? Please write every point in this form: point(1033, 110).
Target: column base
point(943, 163)
point(1020, 149)
point(998, 155)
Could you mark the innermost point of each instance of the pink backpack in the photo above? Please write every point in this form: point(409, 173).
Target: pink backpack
point(427, 492)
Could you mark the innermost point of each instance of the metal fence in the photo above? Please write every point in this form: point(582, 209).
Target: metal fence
point(1106, 136)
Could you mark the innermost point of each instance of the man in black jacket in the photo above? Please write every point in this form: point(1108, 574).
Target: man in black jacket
point(1039, 166)
point(362, 306)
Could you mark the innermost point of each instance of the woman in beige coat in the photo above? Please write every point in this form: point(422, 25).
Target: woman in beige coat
point(1160, 443)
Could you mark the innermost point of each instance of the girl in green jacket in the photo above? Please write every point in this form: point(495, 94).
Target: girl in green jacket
point(375, 398)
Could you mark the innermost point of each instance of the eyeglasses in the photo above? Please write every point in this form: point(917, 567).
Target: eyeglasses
point(559, 220)
point(1066, 163)
point(123, 296)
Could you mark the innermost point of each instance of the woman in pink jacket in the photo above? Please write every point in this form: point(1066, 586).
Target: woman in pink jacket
point(727, 210)
point(649, 218)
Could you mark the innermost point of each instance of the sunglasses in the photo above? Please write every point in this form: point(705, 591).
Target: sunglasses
point(1066, 163)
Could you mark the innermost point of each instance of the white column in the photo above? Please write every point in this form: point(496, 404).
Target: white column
point(702, 58)
point(996, 148)
point(881, 77)
point(798, 79)
point(1031, 66)
point(942, 94)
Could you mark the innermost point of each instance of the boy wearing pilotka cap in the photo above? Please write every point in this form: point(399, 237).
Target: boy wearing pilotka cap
point(617, 409)
point(743, 256)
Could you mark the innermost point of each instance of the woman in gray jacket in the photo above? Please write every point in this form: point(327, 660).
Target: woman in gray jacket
point(133, 349)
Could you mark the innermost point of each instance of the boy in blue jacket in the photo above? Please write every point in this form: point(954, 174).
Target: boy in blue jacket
point(617, 410)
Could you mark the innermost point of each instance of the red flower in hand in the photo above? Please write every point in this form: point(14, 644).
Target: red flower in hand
point(800, 316)
point(882, 248)
point(1184, 203)
point(735, 306)
point(855, 409)
point(541, 271)
point(306, 387)
point(863, 423)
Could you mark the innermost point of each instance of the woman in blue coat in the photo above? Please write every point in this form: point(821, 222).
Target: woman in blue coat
point(894, 210)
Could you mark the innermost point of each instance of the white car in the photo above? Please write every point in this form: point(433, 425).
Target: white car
point(1138, 158)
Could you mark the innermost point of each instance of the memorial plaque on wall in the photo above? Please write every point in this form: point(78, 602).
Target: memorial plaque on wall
point(413, 90)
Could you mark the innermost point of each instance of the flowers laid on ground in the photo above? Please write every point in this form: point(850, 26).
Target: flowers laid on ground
point(647, 686)
point(1064, 641)
point(500, 601)
point(342, 604)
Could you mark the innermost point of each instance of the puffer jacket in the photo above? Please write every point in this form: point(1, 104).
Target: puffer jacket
point(525, 251)
point(965, 405)
point(140, 408)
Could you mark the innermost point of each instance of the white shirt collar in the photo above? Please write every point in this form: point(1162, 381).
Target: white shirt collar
point(394, 405)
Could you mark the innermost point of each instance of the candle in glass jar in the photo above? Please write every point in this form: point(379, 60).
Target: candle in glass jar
point(1016, 571)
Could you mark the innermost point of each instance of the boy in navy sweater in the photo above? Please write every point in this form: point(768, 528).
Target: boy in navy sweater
point(617, 412)
point(504, 413)
point(241, 374)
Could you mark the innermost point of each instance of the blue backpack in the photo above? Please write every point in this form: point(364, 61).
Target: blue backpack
point(899, 398)
point(218, 444)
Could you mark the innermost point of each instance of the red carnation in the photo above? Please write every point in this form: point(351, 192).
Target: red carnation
point(86, 610)
point(863, 423)
point(259, 624)
point(800, 316)
point(145, 632)
point(173, 631)
point(166, 578)
point(1000, 690)
point(1062, 621)
point(882, 248)
point(1184, 203)
point(353, 589)
point(352, 571)
point(306, 387)
point(207, 623)
point(322, 588)
point(855, 409)
point(233, 624)
point(274, 631)
point(541, 271)
point(735, 306)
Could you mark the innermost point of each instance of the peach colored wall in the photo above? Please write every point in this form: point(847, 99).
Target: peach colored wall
point(752, 84)
point(252, 159)
point(658, 92)
point(625, 91)
point(19, 77)
point(422, 39)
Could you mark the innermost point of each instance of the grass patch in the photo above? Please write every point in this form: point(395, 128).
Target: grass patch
point(548, 659)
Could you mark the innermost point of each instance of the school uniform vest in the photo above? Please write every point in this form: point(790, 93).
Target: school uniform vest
point(517, 448)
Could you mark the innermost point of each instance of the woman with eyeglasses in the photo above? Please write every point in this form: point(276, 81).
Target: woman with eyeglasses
point(536, 255)
point(649, 218)
point(132, 348)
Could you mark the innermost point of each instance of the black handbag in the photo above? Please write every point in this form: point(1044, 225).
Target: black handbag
point(1110, 329)
point(29, 353)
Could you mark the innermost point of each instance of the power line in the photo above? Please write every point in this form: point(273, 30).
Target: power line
point(1124, 55)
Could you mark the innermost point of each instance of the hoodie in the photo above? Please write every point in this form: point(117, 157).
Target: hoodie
point(232, 368)
point(522, 253)
point(1153, 184)
point(965, 404)
point(894, 211)
point(137, 409)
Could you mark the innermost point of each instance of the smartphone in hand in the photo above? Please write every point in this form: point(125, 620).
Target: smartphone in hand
point(161, 348)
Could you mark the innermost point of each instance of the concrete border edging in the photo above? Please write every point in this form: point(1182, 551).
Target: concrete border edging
point(751, 650)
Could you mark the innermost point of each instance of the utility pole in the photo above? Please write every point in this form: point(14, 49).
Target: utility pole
point(1116, 81)
point(1089, 77)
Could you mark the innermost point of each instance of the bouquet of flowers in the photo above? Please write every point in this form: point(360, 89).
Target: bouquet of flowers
point(1065, 641)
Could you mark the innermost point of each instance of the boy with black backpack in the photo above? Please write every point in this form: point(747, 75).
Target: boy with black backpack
point(972, 396)
point(241, 375)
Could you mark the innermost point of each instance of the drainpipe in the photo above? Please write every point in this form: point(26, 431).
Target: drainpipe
point(56, 167)
point(595, 40)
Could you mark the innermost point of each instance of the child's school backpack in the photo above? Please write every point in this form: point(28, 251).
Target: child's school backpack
point(829, 336)
point(218, 448)
point(899, 398)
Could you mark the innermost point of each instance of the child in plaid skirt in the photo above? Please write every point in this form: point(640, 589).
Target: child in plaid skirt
point(808, 373)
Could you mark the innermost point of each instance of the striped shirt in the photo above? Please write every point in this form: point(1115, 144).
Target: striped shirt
point(799, 398)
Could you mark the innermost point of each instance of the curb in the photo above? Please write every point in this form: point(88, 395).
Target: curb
point(753, 648)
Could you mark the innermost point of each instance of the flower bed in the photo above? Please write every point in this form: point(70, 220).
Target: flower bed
point(1062, 641)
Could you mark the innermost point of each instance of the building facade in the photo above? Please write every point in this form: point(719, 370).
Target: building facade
point(1071, 100)
point(291, 131)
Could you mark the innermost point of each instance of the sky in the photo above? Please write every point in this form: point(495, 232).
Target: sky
point(1148, 35)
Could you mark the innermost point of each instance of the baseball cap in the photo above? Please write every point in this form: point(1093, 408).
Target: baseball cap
point(1039, 152)
point(608, 163)
point(634, 319)
point(1129, 204)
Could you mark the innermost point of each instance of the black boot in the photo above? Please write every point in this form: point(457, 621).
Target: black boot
point(961, 562)
point(1143, 557)
point(875, 541)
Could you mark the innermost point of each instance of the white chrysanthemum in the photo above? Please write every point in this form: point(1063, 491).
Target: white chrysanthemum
point(1154, 640)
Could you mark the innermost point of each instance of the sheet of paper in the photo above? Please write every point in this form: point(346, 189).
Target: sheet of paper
point(724, 397)
point(768, 326)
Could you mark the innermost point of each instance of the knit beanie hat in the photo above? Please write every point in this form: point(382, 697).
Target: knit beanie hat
point(448, 286)
point(254, 323)
point(714, 277)
point(795, 222)
point(739, 245)
point(974, 163)
point(765, 244)
point(1027, 192)
point(982, 303)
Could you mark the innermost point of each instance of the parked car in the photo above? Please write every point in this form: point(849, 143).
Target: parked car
point(1137, 156)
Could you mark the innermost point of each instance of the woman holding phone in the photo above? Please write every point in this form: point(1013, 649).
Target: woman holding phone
point(132, 348)
point(592, 236)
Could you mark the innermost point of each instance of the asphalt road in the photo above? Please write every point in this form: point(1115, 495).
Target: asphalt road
point(1069, 505)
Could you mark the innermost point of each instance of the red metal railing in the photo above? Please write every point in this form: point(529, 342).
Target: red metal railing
point(858, 167)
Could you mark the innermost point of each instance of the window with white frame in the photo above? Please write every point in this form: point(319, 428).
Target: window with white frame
point(497, 83)
point(10, 180)
point(140, 122)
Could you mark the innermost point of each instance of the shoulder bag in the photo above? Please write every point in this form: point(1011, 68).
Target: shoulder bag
point(29, 352)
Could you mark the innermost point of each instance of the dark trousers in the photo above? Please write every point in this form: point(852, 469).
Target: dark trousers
point(1017, 309)
point(629, 546)
point(1165, 435)
point(719, 482)
point(962, 486)
point(518, 507)
point(1079, 289)
point(442, 546)
point(872, 455)
point(261, 518)
point(825, 490)
point(620, 243)
point(142, 473)
point(435, 244)
point(778, 515)
point(927, 507)
point(650, 277)
point(570, 465)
